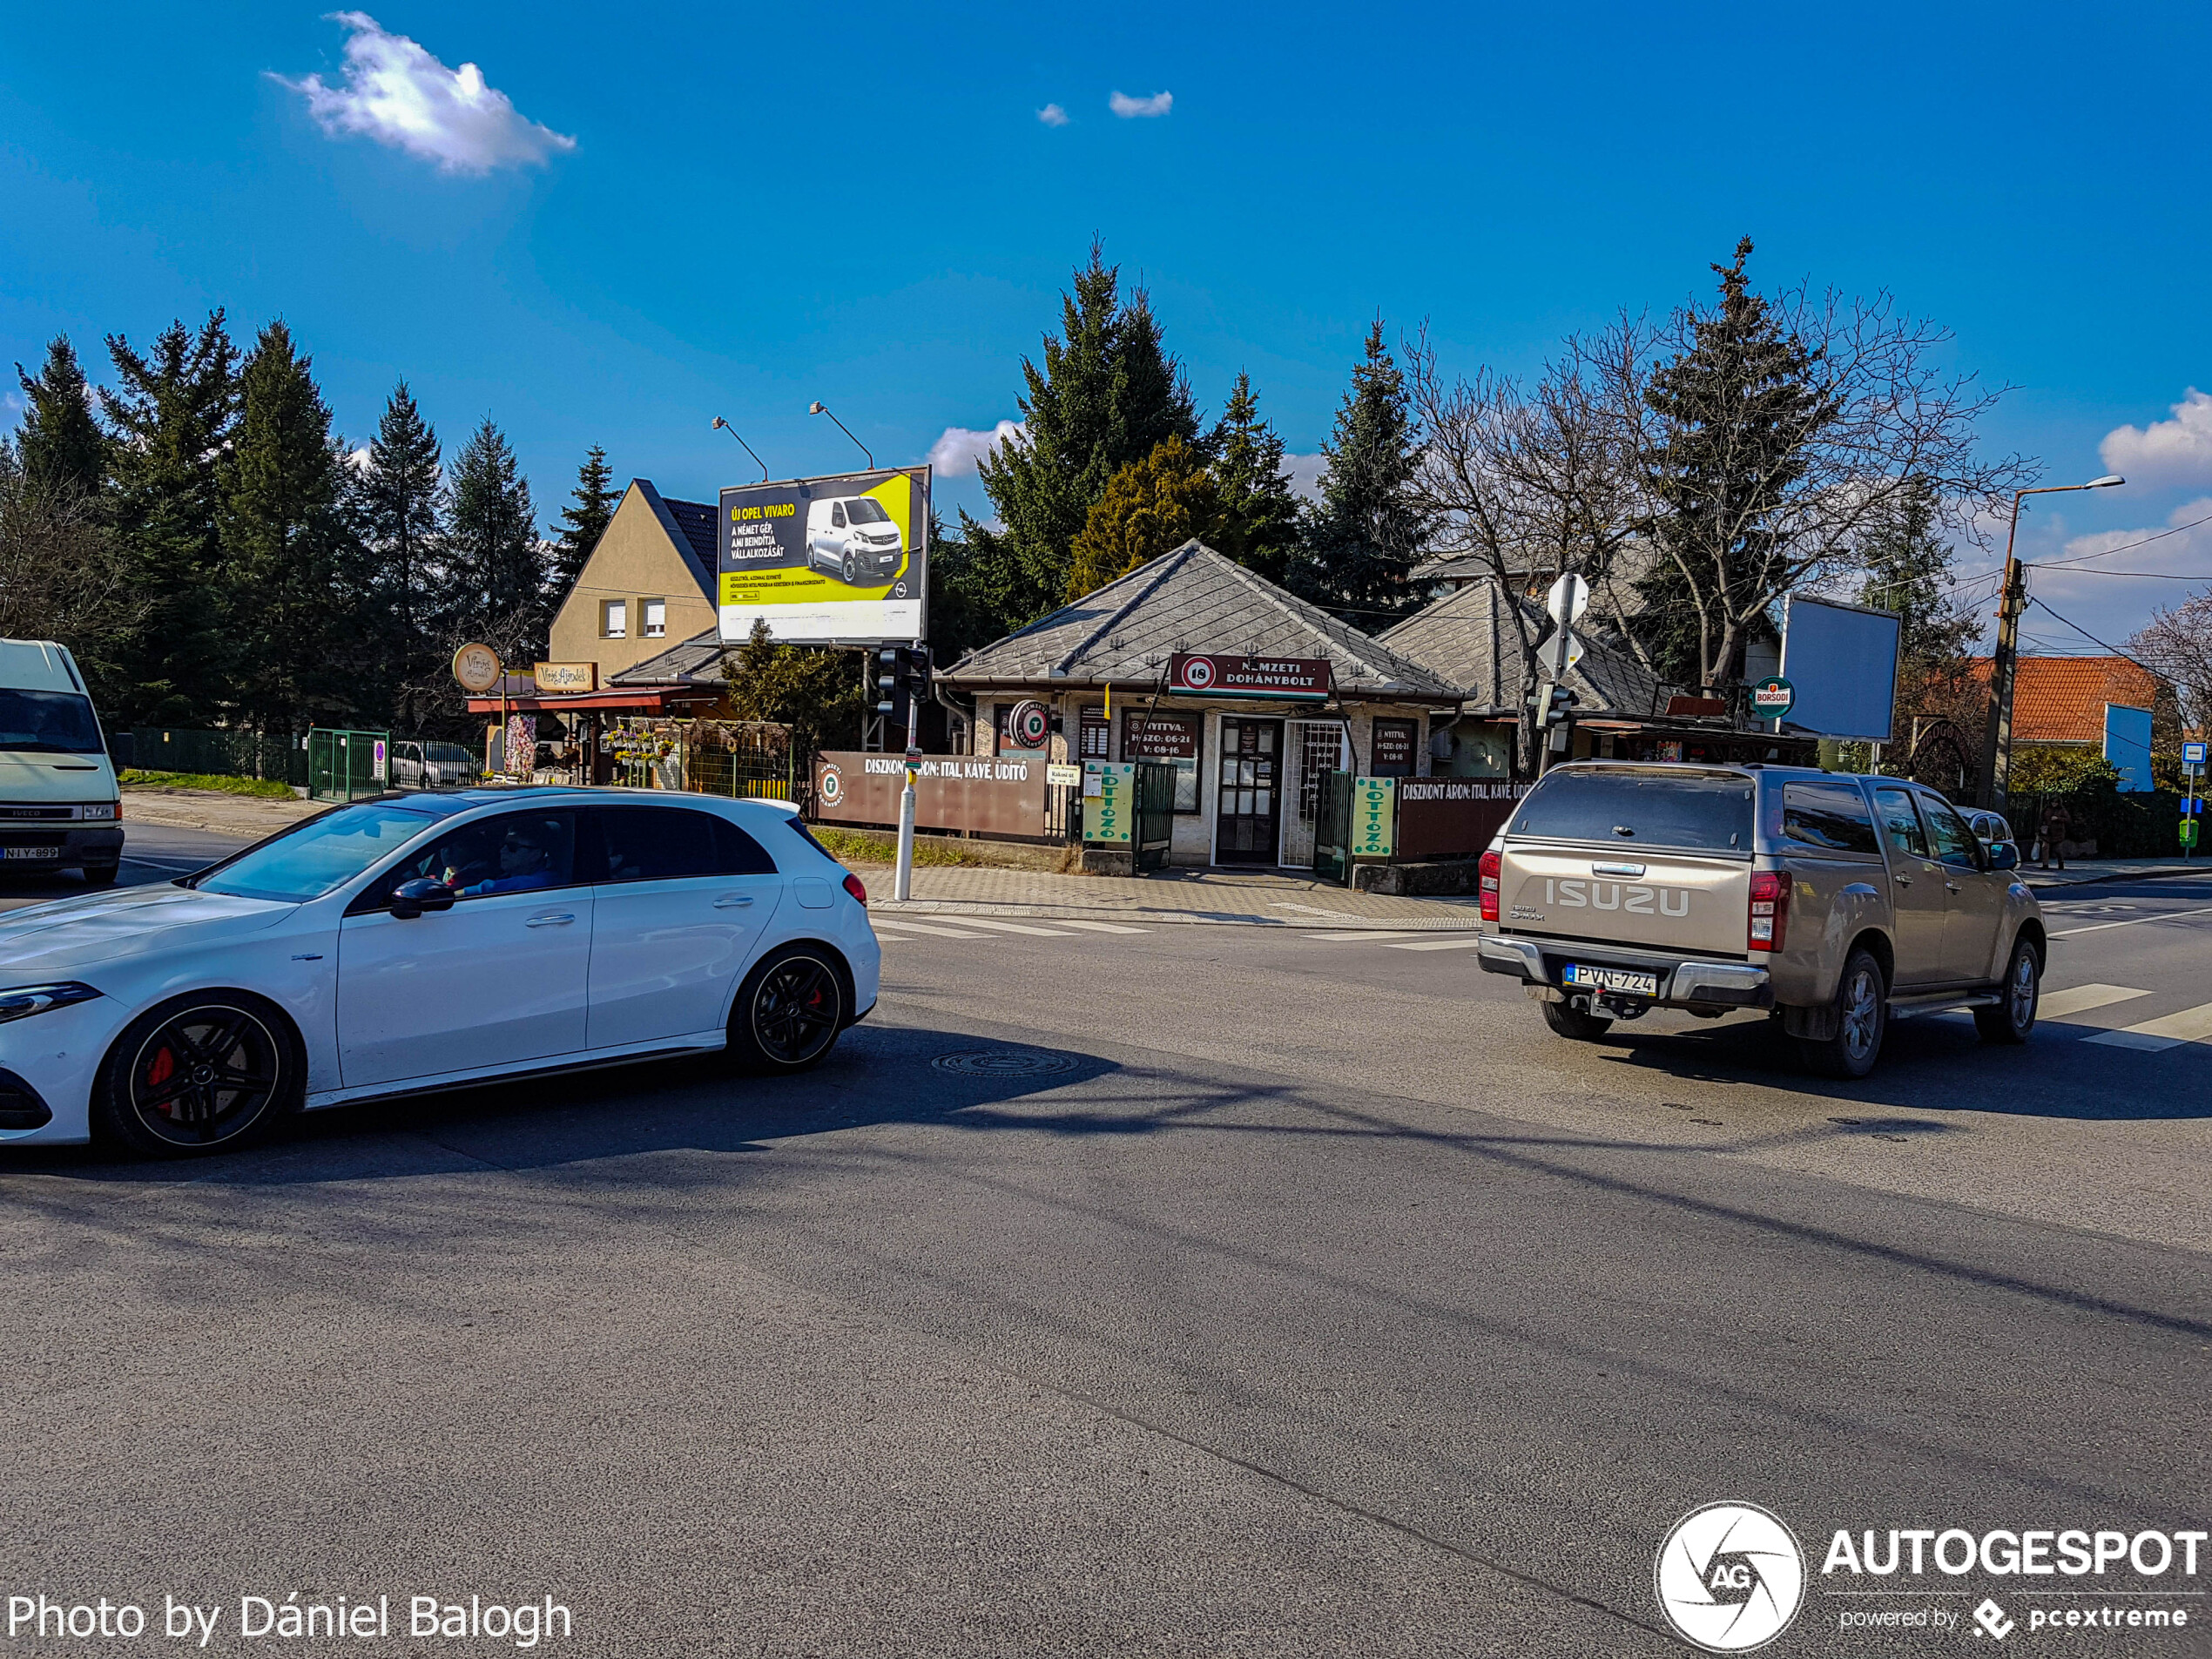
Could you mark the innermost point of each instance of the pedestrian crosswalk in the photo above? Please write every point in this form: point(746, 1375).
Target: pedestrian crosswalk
point(2061, 1014)
point(980, 927)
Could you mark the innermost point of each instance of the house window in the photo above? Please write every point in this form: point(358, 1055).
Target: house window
point(614, 619)
point(655, 615)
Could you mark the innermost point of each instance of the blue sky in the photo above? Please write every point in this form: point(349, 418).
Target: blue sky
point(673, 213)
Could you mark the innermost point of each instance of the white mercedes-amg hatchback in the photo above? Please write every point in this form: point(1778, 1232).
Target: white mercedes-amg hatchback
point(420, 941)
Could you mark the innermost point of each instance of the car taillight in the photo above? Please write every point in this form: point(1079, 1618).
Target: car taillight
point(1487, 870)
point(1770, 909)
point(853, 886)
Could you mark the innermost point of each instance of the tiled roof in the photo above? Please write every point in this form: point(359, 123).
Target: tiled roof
point(1468, 638)
point(1191, 599)
point(2062, 699)
point(697, 660)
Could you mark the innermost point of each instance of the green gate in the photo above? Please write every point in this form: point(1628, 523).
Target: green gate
point(1332, 828)
point(344, 766)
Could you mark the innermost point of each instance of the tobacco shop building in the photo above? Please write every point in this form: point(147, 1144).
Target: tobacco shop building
point(1252, 695)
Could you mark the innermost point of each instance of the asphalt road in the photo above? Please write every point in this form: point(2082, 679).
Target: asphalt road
point(1191, 1290)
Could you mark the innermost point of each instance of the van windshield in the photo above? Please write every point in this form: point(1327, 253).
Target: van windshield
point(868, 512)
point(49, 722)
point(1699, 812)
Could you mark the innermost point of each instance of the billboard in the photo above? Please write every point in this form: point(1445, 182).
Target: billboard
point(2127, 747)
point(837, 560)
point(1840, 663)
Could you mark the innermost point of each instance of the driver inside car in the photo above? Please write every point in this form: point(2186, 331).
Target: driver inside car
point(525, 862)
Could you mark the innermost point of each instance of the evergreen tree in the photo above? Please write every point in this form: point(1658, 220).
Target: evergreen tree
point(398, 497)
point(1738, 409)
point(173, 411)
point(496, 568)
point(60, 441)
point(1259, 512)
point(1364, 536)
point(1149, 506)
point(961, 619)
point(1908, 572)
point(283, 543)
point(811, 689)
point(584, 520)
point(1106, 394)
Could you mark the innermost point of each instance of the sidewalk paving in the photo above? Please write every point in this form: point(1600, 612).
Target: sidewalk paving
point(2080, 871)
point(212, 810)
point(1260, 899)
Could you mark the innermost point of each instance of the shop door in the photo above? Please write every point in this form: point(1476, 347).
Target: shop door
point(1315, 752)
point(1251, 809)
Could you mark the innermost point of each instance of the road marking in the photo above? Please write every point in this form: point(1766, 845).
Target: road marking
point(2080, 999)
point(2190, 1025)
point(2136, 921)
point(1094, 927)
point(1440, 944)
point(896, 928)
point(1354, 937)
point(157, 864)
point(1012, 927)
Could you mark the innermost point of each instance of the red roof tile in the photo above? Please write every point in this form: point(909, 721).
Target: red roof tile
point(2062, 699)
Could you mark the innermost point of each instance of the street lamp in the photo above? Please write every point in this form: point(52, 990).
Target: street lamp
point(818, 407)
point(721, 425)
point(1997, 744)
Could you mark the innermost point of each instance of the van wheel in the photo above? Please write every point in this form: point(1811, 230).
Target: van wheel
point(788, 1013)
point(2013, 1018)
point(1573, 1023)
point(1862, 1020)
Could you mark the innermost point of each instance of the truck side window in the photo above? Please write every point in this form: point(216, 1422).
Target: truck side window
point(1830, 815)
point(1900, 824)
point(1954, 842)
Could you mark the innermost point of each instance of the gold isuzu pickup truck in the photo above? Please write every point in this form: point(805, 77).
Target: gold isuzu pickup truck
point(1618, 888)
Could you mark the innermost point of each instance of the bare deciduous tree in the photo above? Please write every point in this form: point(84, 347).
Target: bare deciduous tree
point(2177, 643)
point(60, 578)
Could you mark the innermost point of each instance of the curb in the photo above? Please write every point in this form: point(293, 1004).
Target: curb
point(2067, 878)
point(1317, 921)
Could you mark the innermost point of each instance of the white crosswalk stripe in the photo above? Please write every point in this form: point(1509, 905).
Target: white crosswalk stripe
point(895, 930)
point(1097, 927)
point(1355, 936)
point(2082, 999)
point(2171, 1031)
point(1463, 942)
point(1013, 928)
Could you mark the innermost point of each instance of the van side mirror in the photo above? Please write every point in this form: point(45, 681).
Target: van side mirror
point(2004, 855)
point(411, 899)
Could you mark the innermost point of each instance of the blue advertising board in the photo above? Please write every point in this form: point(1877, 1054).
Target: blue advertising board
point(2127, 747)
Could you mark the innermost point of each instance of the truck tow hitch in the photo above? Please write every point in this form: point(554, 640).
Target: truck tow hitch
point(1622, 1007)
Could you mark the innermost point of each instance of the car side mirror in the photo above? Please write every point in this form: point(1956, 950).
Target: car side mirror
point(411, 899)
point(2004, 855)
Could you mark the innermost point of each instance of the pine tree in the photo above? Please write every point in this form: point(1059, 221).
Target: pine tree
point(1258, 525)
point(1149, 506)
point(1364, 536)
point(283, 542)
point(174, 412)
point(590, 510)
point(496, 567)
point(810, 690)
point(398, 498)
point(1105, 396)
point(1739, 406)
point(60, 442)
point(1908, 572)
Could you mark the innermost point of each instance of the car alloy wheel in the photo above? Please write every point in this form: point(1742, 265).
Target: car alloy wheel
point(1862, 1016)
point(797, 1011)
point(2012, 1018)
point(205, 1075)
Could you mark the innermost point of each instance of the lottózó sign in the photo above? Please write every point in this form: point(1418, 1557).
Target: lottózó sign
point(1283, 679)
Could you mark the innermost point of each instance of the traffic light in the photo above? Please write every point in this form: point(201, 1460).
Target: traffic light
point(901, 682)
point(1551, 703)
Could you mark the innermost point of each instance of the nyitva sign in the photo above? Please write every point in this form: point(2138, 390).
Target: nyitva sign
point(1295, 679)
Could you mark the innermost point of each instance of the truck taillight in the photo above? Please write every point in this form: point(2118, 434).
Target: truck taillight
point(1487, 869)
point(1770, 909)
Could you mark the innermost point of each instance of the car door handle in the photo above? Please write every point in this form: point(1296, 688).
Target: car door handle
point(733, 901)
point(560, 920)
point(1904, 880)
point(1952, 887)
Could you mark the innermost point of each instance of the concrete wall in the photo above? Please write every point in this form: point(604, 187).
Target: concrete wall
point(635, 561)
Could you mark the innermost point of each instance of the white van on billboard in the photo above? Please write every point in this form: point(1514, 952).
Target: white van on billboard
point(840, 560)
point(854, 538)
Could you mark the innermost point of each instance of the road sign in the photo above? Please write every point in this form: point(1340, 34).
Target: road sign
point(1773, 698)
point(2192, 754)
point(1569, 598)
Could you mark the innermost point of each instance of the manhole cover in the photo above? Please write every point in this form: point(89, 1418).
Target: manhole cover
point(1003, 1063)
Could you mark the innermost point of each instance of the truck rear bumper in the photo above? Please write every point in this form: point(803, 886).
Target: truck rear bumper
point(1682, 984)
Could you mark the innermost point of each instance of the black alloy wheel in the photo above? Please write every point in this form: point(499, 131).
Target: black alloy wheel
point(197, 1074)
point(789, 1012)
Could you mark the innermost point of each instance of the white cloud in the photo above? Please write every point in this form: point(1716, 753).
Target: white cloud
point(956, 452)
point(398, 94)
point(1131, 108)
point(1053, 116)
point(1305, 473)
point(2178, 451)
point(359, 460)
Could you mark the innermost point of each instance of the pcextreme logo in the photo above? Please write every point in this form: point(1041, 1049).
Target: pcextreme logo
point(1730, 1577)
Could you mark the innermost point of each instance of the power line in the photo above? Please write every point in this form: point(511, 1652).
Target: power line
point(2114, 650)
point(2124, 546)
point(2155, 576)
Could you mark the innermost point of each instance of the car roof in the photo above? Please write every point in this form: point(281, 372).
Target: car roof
point(445, 803)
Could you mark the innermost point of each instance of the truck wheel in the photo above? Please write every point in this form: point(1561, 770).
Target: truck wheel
point(2013, 1018)
point(1573, 1023)
point(1862, 1019)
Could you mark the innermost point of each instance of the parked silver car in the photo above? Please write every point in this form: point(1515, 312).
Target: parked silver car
point(417, 764)
point(1620, 887)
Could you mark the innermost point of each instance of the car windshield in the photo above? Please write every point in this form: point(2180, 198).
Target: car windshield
point(1701, 811)
point(49, 722)
point(865, 512)
point(309, 859)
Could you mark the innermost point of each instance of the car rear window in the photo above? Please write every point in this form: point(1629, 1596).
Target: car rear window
point(1834, 816)
point(1699, 812)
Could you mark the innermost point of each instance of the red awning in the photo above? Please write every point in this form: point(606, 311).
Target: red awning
point(649, 698)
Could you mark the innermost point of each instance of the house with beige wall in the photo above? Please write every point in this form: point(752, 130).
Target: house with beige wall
point(649, 584)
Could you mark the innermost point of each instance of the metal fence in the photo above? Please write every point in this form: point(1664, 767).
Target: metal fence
point(741, 760)
point(344, 765)
point(221, 754)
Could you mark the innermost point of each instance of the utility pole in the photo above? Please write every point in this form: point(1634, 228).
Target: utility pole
point(1997, 744)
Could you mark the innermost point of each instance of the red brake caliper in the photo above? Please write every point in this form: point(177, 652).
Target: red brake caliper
point(163, 1068)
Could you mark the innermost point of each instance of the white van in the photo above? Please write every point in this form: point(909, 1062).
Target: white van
point(852, 537)
point(59, 805)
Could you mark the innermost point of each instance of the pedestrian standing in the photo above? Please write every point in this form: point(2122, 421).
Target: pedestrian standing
point(2056, 822)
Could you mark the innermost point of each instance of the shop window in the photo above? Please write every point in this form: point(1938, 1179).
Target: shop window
point(655, 613)
point(614, 619)
point(1174, 739)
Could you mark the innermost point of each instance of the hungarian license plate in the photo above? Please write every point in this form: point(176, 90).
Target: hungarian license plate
point(1629, 980)
point(32, 852)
